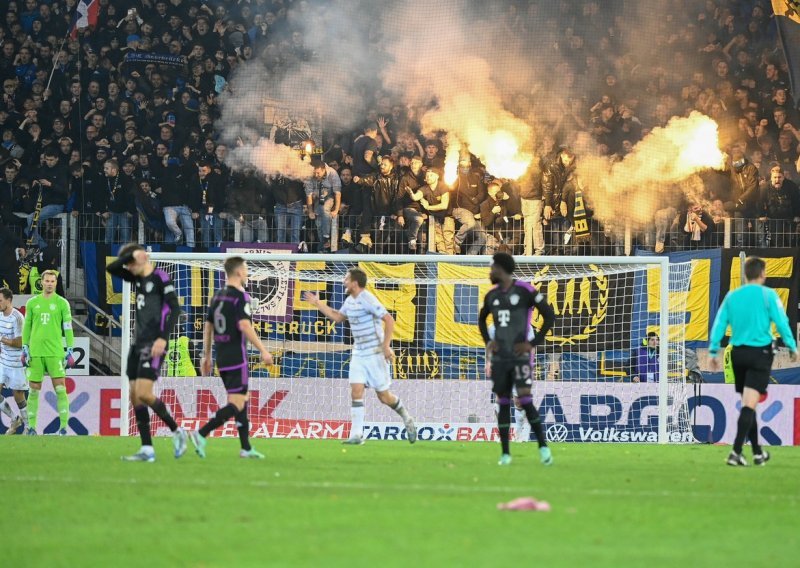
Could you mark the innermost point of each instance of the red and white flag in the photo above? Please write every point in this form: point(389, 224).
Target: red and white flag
point(86, 16)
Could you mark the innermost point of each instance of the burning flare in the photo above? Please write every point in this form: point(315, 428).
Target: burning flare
point(451, 162)
point(498, 150)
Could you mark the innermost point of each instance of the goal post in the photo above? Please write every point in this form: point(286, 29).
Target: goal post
point(605, 307)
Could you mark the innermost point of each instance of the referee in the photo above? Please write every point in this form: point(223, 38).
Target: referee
point(750, 311)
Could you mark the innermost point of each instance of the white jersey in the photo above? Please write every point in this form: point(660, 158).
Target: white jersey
point(364, 314)
point(10, 328)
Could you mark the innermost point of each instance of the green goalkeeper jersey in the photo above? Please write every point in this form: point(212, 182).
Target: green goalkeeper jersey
point(47, 321)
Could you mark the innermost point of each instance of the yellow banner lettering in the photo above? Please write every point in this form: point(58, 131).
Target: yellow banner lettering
point(399, 299)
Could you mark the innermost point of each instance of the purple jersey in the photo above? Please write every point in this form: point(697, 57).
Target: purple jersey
point(229, 307)
point(511, 311)
point(157, 306)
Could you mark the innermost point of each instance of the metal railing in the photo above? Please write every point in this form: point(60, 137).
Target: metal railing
point(102, 349)
point(728, 232)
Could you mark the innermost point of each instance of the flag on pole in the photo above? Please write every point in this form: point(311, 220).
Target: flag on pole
point(787, 16)
point(86, 16)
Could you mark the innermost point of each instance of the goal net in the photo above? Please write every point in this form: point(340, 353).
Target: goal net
point(596, 377)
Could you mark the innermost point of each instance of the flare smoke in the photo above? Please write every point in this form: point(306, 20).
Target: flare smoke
point(270, 158)
point(364, 49)
point(634, 188)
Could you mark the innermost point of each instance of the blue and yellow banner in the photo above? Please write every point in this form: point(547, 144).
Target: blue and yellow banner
point(602, 315)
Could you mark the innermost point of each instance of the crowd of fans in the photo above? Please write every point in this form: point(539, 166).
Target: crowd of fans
point(117, 124)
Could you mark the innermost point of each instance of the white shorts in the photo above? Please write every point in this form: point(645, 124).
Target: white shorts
point(372, 370)
point(14, 378)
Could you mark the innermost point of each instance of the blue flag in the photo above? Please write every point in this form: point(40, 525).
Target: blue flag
point(787, 16)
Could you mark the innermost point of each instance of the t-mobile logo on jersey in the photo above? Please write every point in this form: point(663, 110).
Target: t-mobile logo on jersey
point(503, 317)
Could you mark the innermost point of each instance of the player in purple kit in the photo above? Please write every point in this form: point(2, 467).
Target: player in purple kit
point(229, 324)
point(157, 313)
point(510, 303)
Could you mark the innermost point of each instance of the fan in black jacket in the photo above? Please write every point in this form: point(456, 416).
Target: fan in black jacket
point(116, 203)
point(207, 191)
point(779, 210)
point(501, 212)
point(383, 205)
point(50, 183)
point(177, 203)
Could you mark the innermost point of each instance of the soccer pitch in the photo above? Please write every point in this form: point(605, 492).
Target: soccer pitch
point(72, 502)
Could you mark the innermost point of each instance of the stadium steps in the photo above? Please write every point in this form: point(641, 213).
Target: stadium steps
point(105, 356)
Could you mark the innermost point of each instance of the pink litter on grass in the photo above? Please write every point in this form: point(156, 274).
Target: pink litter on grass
point(524, 504)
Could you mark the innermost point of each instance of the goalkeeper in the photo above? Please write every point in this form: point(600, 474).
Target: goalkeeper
point(48, 320)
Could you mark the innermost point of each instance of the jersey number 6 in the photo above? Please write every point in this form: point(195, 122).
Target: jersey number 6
point(219, 320)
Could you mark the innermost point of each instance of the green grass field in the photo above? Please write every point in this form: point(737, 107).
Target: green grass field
point(72, 502)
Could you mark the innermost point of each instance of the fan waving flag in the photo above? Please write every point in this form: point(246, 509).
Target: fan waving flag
point(87, 16)
point(787, 16)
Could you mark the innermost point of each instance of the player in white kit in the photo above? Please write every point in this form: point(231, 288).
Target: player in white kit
point(12, 374)
point(370, 364)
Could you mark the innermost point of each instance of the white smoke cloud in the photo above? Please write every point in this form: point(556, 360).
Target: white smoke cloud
point(363, 49)
point(639, 185)
point(472, 69)
point(270, 158)
point(459, 78)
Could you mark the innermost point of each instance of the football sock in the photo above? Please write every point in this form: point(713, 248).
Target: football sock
point(357, 418)
point(753, 436)
point(161, 411)
point(746, 417)
point(243, 426)
point(504, 423)
point(5, 408)
point(519, 419)
point(534, 419)
point(62, 404)
point(23, 412)
point(33, 407)
point(221, 417)
point(143, 423)
point(400, 409)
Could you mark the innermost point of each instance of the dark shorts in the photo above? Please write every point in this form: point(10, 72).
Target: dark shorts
point(752, 367)
point(235, 380)
point(141, 365)
point(509, 374)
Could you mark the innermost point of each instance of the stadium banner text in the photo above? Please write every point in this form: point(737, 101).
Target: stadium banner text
point(305, 408)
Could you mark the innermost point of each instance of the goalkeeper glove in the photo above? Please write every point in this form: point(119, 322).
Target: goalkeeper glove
point(26, 356)
point(69, 360)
